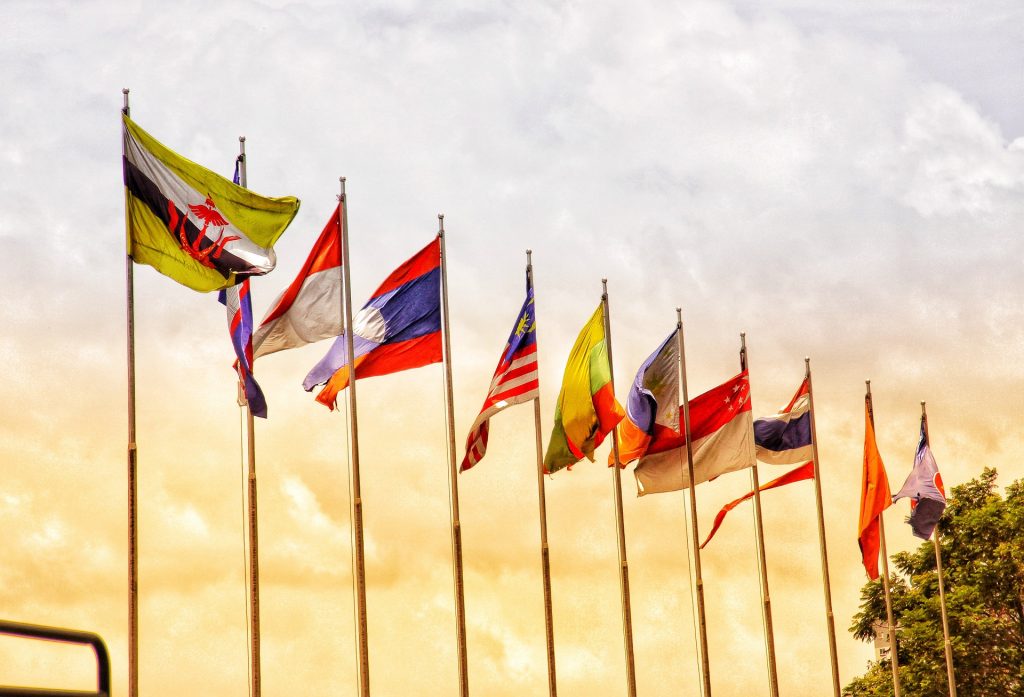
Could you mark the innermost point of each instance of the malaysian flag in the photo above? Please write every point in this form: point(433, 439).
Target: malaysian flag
point(515, 379)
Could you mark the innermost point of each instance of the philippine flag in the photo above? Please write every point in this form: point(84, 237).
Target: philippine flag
point(652, 405)
point(397, 329)
point(785, 439)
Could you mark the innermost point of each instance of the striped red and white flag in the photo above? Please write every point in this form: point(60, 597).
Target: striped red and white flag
point(515, 380)
point(310, 308)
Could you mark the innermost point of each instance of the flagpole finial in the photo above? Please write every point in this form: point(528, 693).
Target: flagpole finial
point(241, 139)
point(440, 224)
point(124, 107)
point(341, 188)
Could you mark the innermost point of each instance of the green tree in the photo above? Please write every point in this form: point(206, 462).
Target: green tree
point(982, 539)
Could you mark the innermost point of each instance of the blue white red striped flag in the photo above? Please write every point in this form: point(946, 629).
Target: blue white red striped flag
point(515, 380)
point(239, 306)
point(785, 438)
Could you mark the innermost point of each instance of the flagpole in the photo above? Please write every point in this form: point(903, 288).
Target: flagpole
point(829, 617)
point(699, 582)
point(453, 478)
point(549, 631)
point(769, 631)
point(893, 643)
point(942, 590)
point(620, 527)
point(133, 454)
point(363, 673)
point(254, 557)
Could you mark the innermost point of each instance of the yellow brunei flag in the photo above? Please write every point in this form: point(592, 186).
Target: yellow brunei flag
point(586, 410)
point(192, 224)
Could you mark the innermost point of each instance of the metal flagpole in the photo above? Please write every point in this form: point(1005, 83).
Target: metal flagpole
point(620, 527)
point(950, 678)
point(549, 631)
point(769, 631)
point(453, 478)
point(829, 617)
point(699, 583)
point(894, 654)
point(254, 558)
point(363, 672)
point(133, 454)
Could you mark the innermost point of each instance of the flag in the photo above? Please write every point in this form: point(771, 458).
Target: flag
point(586, 410)
point(804, 471)
point(652, 405)
point(721, 429)
point(239, 307)
point(874, 496)
point(785, 439)
point(924, 489)
point(192, 224)
point(515, 379)
point(398, 328)
point(310, 308)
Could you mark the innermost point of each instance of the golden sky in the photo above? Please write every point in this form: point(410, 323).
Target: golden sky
point(843, 184)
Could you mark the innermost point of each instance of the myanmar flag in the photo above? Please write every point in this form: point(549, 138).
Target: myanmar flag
point(586, 410)
point(192, 224)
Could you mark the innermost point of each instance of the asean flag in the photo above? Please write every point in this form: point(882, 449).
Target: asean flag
point(398, 328)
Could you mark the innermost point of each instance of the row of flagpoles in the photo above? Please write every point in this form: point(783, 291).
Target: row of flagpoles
point(208, 233)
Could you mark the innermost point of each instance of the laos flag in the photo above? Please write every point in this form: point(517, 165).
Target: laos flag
point(398, 328)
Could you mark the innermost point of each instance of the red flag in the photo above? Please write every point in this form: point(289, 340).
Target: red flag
point(874, 495)
point(804, 471)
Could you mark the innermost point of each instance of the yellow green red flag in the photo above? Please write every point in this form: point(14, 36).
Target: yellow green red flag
point(586, 410)
point(192, 224)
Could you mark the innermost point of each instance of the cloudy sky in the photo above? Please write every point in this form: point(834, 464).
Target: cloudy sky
point(839, 181)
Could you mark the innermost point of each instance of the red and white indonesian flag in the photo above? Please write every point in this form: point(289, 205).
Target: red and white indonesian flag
point(722, 433)
point(310, 308)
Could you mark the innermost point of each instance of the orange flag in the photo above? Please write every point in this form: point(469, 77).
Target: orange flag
point(874, 495)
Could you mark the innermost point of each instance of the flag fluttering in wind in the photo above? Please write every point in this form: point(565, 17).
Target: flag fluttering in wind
point(652, 405)
point(515, 379)
point(239, 306)
point(310, 308)
point(192, 224)
point(801, 473)
point(924, 489)
point(785, 438)
point(586, 410)
point(398, 328)
point(721, 429)
point(874, 496)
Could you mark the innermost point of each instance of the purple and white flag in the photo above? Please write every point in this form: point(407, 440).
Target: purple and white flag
point(924, 489)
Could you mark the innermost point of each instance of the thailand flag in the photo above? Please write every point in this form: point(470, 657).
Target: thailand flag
point(310, 308)
point(924, 489)
point(397, 329)
point(239, 307)
point(515, 380)
point(785, 439)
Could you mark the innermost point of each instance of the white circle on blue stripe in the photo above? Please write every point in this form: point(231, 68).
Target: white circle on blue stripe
point(369, 324)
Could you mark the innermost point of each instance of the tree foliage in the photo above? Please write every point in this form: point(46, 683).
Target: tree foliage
point(981, 535)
